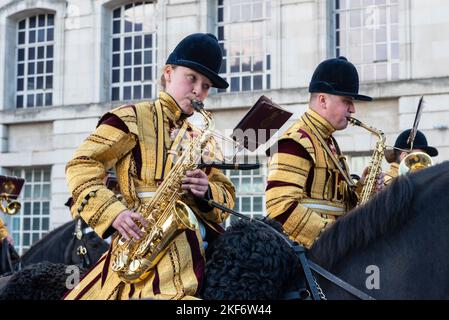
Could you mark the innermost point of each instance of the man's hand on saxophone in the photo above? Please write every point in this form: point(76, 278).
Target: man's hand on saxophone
point(125, 224)
point(196, 182)
point(379, 179)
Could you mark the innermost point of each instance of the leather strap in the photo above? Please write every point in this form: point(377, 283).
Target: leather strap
point(160, 142)
point(174, 148)
point(342, 284)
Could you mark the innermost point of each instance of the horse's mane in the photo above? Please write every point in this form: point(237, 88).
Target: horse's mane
point(387, 211)
point(68, 226)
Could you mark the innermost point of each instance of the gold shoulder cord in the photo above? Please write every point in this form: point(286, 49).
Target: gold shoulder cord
point(329, 152)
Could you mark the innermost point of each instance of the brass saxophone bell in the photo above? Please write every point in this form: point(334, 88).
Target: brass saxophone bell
point(415, 161)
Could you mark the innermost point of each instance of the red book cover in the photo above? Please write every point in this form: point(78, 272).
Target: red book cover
point(260, 123)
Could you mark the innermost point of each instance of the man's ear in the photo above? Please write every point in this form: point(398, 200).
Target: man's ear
point(167, 72)
point(322, 99)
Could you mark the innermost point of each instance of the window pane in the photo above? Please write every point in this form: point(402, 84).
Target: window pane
point(49, 82)
point(39, 100)
point(50, 36)
point(49, 68)
point(50, 52)
point(235, 84)
point(40, 83)
point(115, 94)
point(30, 100)
point(40, 52)
point(137, 92)
point(137, 58)
point(41, 20)
point(127, 74)
point(116, 44)
point(246, 83)
point(147, 57)
point(48, 99)
point(32, 36)
point(19, 84)
point(20, 69)
point(41, 35)
point(137, 74)
point(147, 73)
point(115, 76)
point(147, 91)
point(126, 93)
point(40, 67)
point(21, 38)
point(257, 82)
point(19, 102)
point(137, 42)
point(45, 223)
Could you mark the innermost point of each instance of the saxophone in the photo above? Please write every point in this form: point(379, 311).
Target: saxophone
point(167, 215)
point(375, 166)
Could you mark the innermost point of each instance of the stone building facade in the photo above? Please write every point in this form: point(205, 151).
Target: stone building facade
point(64, 63)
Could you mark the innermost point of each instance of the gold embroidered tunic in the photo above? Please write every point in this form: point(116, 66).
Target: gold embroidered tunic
point(392, 173)
point(127, 139)
point(305, 190)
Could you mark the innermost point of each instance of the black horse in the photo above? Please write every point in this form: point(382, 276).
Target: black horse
point(61, 245)
point(42, 272)
point(393, 247)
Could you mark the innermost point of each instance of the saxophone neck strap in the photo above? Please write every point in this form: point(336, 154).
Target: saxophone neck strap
point(174, 147)
point(160, 141)
point(315, 132)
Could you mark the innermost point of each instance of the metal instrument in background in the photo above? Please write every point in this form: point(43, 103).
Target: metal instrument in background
point(9, 190)
point(414, 161)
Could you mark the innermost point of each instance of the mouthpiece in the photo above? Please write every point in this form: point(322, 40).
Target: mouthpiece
point(197, 105)
point(354, 121)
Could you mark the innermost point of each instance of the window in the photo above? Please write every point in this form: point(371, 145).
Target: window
point(243, 32)
point(33, 220)
point(250, 192)
point(134, 71)
point(34, 60)
point(367, 33)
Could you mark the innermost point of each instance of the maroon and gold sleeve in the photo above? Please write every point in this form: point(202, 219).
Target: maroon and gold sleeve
point(85, 172)
point(289, 170)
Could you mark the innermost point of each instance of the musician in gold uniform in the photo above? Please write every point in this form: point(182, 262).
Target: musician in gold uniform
point(139, 141)
point(4, 233)
point(419, 145)
point(308, 179)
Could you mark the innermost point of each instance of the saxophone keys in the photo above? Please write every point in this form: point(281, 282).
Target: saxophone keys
point(121, 241)
point(134, 265)
point(119, 262)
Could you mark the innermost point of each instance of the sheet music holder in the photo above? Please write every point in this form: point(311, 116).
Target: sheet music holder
point(11, 186)
point(260, 123)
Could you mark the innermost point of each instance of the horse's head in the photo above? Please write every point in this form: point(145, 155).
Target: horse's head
point(249, 261)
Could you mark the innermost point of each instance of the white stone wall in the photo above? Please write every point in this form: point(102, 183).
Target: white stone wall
point(301, 38)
